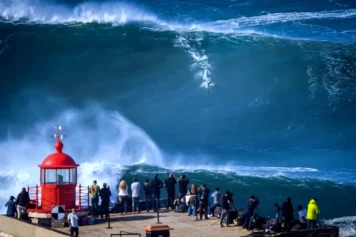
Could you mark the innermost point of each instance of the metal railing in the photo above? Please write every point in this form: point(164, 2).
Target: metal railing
point(124, 233)
point(36, 199)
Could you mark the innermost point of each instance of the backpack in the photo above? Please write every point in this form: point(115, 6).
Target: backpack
point(181, 207)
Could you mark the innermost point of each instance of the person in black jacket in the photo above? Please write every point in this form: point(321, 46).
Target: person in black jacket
point(204, 195)
point(156, 185)
point(225, 208)
point(170, 184)
point(251, 205)
point(21, 202)
point(183, 185)
point(105, 195)
point(287, 213)
point(147, 188)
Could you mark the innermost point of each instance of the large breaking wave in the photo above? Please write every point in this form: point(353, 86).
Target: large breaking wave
point(118, 13)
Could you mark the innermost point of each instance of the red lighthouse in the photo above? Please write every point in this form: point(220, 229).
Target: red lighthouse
point(58, 179)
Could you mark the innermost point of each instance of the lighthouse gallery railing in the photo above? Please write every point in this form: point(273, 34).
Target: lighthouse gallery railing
point(82, 197)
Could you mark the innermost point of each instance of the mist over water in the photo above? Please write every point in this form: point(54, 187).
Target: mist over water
point(249, 96)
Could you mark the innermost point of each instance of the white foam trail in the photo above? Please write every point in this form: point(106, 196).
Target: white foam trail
point(284, 17)
point(101, 149)
point(333, 72)
point(192, 46)
point(313, 82)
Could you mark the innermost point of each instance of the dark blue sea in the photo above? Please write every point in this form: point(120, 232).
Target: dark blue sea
point(254, 96)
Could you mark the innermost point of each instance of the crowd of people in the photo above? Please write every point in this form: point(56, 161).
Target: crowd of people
point(17, 206)
point(196, 202)
point(307, 219)
point(193, 200)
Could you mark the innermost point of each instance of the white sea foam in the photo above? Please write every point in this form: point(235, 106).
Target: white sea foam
point(255, 171)
point(332, 72)
point(347, 225)
point(101, 149)
point(284, 17)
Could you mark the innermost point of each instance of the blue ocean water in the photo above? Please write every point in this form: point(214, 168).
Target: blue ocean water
point(253, 96)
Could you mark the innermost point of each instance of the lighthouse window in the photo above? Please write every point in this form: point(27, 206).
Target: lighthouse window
point(63, 176)
point(51, 176)
point(42, 176)
point(73, 176)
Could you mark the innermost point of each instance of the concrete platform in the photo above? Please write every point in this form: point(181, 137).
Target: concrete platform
point(184, 226)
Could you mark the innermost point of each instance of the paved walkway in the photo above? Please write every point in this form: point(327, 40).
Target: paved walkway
point(184, 226)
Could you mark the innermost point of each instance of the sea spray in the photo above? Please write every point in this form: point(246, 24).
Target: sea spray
point(100, 148)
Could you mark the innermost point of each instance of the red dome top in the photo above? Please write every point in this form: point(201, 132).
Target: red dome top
point(58, 159)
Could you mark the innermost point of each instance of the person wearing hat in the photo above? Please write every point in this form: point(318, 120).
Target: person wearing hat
point(94, 197)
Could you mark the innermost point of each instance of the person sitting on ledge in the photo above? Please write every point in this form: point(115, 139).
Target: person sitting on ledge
point(11, 209)
point(302, 216)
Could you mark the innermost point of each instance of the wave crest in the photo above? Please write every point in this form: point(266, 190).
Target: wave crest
point(121, 12)
point(34, 11)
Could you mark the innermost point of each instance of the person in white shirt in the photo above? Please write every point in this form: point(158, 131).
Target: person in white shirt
point(123, 194)
point(302, 216)
point(73, 223)
point(136, 190)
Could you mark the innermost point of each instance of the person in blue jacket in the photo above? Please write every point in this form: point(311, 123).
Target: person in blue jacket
point(11, 206)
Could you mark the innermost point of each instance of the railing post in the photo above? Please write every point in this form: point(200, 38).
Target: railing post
point(57, 196)
point(80, 196)
point(37, 197)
